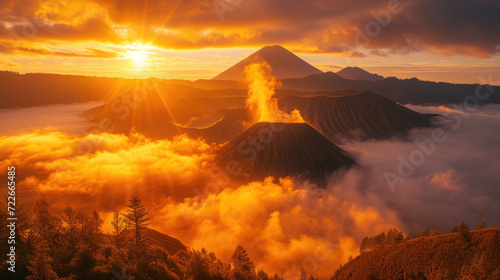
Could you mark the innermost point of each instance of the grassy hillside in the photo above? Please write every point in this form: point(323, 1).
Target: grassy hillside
point(447, 256)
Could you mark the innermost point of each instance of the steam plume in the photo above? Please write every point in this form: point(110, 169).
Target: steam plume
point(260, 100)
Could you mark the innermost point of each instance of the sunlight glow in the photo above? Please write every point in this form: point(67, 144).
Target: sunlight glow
point(138, 53)
point(140, 58)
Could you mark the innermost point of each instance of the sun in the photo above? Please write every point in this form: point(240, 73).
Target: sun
point(138, 53)
point(140, 58)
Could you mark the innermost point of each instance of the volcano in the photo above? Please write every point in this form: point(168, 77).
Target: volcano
point(282, 149)
point(284, 65)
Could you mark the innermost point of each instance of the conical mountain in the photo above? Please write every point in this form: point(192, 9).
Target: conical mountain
point(282, 149)
point(284, 65)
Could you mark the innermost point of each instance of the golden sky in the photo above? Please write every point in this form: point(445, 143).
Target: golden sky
point(444, 40)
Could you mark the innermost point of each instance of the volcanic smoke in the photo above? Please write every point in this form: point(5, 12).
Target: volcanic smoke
point(260, 100)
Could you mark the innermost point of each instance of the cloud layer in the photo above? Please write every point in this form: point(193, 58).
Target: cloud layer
point(286, 226)
point(352, 28)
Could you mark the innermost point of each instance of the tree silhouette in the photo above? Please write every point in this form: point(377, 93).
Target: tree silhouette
point(481, 224)
point(135, 218)
point(244, 268)
point(198, 266)
point(71, 224)
point(464, 231)
point(41, 265)
point(435, 232)
point(426, 232)
point(119, 230)
point(46, 223)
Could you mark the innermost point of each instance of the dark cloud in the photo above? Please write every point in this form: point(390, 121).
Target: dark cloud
point(450, 27)
point(447, 27)
point(456, 182)
point(35, 29)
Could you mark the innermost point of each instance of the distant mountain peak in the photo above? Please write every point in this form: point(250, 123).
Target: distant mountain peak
point(274, 47)
point(356, 73)
point(284, 64)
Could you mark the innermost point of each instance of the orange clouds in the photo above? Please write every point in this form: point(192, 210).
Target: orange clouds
point(318, 26)
point(106, 167)
point(449, 180)
point(285, 227)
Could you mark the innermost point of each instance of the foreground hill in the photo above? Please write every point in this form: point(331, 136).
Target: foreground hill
point(283, 149)
point(284, 65)
point(448, 256)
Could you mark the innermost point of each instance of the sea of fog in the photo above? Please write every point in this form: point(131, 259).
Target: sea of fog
point(443, 175)
point(65, 118)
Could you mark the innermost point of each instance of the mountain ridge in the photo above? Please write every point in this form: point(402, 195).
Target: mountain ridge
point(446, 256)
point(356, 73)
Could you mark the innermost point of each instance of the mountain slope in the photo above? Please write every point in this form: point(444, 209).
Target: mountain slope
point(283, 149)
point(360, 114)
point(355, 73)
point(404, 91)
point(284, 65)
point(219, 115)
point(448, 256)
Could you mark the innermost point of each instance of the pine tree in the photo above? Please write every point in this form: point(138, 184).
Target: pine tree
point(261, 275)
point(119, 230)
point(135, 218)
point(364, 245)
point(41, 265)
point(394, 236)
point(47, 224)
point(464, 231)
point(482, 223)
point(95, 233)
point(435, 232)
point(70, 219)
point(198, 267)
point(426, 232)
point(82, 220)
point(95, 223)
point(244, 268)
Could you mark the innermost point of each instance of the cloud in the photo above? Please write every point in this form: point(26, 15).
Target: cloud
point(62, 118)
point(285, 225)
point(10, 48)
point(4, 61)
point(454, 182)
point(351, 28)
point(105, 168)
